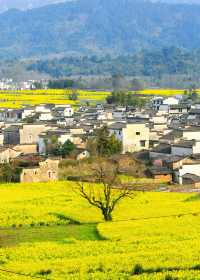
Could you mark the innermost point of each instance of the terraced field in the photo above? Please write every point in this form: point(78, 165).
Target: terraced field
point(48, 232)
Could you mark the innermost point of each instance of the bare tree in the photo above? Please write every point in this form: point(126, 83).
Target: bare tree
point(108, 193)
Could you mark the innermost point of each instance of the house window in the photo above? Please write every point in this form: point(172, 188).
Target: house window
point(50, 174)
point(142, 143)
point(137, 133)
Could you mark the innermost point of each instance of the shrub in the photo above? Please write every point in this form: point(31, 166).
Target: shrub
point(45, 272)
point(138, 269)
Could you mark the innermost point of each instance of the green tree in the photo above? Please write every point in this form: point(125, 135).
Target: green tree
point(126, 99)
point(67, 148)
point(106, 144)
point(74, 96)
point(38, 85)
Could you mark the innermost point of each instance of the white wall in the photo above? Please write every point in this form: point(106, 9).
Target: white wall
point(131, 141)
point(190, 135)
point(171, 101)
point(27, 113)
point(68, 112)
point(45, 117)
point(189, 168)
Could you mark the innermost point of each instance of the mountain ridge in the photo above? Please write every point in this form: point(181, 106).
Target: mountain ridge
point(88, 27)
point(25, 4)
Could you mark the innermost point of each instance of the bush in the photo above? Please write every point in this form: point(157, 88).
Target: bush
point(45, 272)
point(138, 269)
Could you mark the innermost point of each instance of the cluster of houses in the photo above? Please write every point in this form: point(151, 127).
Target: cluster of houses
point(10, 84)
point(168, 129)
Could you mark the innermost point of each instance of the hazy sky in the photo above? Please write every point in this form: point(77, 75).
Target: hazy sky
point(28, 4)
point(25, 4)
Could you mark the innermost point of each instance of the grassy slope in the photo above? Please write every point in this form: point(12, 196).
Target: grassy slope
point(75, 251)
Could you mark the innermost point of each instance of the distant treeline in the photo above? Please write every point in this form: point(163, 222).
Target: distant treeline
point(152, 63)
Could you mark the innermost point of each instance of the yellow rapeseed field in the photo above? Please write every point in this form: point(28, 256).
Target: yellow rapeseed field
point(20, 98)
point(154, 236)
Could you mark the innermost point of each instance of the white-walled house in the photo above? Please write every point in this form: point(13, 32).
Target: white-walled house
point(28, 112)
point(64, 110)
point(6, 154)
point(171, 101)
point(43, 108)
point(46, 116)
point(168, 103)
point(191, 133)
point(134, 136)
point(159, 122)
point(156, 102)
point(193, 169)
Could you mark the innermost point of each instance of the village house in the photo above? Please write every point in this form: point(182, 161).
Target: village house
point(156, 102)
point(23, 134)
point(46, 116)
point(63, 110)
point(45, 172)
point(44, 108)
point(188, 172)
point(8, 153)
point(29, 133)
point(185, 148)
point(14, 115)
point(162, 174)
point(26, 149)
point(12, 135)
point(133, 135)
point(28, 112)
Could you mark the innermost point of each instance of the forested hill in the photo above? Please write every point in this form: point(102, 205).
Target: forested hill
point(98, 26)
point(154, 63)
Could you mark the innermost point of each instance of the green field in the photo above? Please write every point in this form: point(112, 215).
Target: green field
point(48, 232)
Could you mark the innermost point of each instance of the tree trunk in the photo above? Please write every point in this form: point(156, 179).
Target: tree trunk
point(107, 215)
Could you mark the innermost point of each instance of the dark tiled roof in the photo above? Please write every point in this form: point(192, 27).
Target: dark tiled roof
point(160, 171)
point(172, 135)
point(192, 177)
point(117, 125)
point(184, 144)
point(162, 148)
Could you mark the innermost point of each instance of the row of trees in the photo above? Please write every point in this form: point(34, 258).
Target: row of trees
point(60, 84)
point(126, 99)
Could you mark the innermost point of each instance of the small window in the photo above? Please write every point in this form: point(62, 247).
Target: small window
point(142, 143)
point(137, 133)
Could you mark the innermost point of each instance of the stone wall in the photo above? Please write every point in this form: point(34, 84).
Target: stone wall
point(47, 171)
